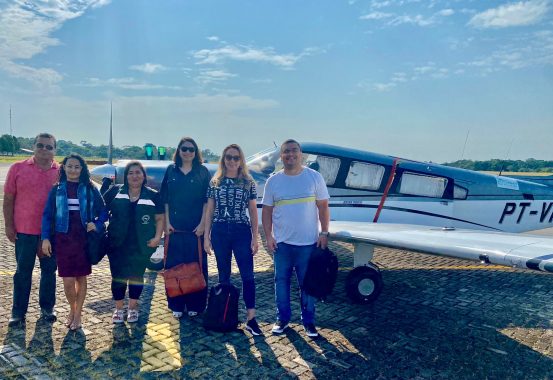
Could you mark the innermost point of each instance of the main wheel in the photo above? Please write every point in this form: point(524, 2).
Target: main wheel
point(364, 284)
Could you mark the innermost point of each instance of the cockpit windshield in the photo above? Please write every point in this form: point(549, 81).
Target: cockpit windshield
point(264, 163)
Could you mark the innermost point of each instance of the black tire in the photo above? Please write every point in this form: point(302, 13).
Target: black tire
point(364, 284)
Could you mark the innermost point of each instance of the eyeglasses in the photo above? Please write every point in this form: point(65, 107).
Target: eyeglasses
point(44, 146)
point(190, 149)
point(230, 157)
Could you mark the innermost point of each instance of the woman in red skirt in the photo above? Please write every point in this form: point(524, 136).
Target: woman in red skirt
point(64, 227)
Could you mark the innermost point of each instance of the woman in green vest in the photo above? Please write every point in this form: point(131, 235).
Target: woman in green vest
point(135, 229)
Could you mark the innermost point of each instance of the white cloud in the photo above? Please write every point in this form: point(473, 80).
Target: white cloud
point(149, 68)
point(246, 53)
point(514, 14)
point(532, 50)
point(127, 84)
point(418, 19)
point(25, 31)
point(375, 16)
point(384, 87)
point(445, 12)
point(212, 38)
point(212, 76)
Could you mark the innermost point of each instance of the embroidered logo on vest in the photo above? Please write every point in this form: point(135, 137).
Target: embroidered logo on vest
point(145, 219)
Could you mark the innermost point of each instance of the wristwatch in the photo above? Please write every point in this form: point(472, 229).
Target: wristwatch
point(323, 233)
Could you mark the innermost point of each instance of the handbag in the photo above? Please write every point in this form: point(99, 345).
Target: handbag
point(184, 278)
point(97, 243)
point(322, 270)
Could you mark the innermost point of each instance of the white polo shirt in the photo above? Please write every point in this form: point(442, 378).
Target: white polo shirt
point(295, 213)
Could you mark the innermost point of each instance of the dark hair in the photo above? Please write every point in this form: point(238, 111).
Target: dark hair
point(46, 136)
point(128, 168)
point(290, 141)
point(197, 161)
point(85, 174)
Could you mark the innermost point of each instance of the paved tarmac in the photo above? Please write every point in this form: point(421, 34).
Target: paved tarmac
point(437, 318)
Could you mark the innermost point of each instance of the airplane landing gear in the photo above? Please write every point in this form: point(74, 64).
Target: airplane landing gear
point(364, 284)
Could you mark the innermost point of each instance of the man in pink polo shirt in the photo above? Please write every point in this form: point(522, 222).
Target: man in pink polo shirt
point(25, 193)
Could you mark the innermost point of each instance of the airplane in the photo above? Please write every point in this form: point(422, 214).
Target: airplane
point(380, 200)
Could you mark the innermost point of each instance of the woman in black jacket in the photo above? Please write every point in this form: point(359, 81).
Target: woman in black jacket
point(135, 229)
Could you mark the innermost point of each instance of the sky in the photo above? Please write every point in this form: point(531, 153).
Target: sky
point(431, 80)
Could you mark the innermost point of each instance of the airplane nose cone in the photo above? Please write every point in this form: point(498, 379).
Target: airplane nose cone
point(103, 171)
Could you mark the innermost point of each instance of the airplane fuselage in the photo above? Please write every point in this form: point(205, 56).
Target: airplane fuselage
point(376, 188)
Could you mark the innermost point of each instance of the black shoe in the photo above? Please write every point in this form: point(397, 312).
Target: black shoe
point(310, 330)
point(279, 327)
point(48, 315)
point(14, 321)
point(253, 327)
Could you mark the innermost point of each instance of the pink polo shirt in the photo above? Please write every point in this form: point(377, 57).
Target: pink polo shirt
point(30, 185)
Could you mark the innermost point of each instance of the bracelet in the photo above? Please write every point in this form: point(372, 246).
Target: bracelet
point(323, 233)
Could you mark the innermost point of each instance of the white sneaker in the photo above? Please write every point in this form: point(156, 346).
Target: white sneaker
point(118, 316)
point(177, 314)
point(192, 313)
point(132, 316)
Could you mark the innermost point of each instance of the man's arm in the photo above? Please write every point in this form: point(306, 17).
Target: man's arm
point(8, 207)
point(324, 219)
point(267, 221)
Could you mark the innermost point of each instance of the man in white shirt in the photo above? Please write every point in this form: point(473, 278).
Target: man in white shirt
point(295, 205)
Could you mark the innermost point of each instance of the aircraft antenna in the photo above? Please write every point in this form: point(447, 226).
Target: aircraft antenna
point(506, 157)
point(110, 158)
point(465, 145)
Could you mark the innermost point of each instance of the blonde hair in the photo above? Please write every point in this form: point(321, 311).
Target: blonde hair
point(244, 176)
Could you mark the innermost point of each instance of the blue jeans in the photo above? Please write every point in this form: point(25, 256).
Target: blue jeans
point(288, 257)
point(25, 253)
point(227, 238)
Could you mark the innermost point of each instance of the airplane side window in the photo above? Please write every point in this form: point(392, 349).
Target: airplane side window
point(327, 166)
point(459, 192)
point(363, 175)
point(422, 185)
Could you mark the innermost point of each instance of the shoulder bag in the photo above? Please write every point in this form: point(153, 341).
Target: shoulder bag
point(184, 278)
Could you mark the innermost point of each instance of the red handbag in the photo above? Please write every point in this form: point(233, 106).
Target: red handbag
point(184, 278)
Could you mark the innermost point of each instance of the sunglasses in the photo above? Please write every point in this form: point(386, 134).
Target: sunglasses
point(190, 149)
point(230, 157)
point(43, 146)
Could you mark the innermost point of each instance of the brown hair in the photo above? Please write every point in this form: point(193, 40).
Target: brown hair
point(197, 161)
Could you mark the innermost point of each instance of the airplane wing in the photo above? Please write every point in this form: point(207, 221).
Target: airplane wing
point(509, 249)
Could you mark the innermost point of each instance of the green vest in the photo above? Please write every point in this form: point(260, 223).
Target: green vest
point(144, 220)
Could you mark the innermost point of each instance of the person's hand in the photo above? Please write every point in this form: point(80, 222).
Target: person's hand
point(46, 247)
point(207, 245)
point(169, 229)
point(10, 233)
point(153, 242)
point(254, 246)
point(90, 227)
point(199, 230)
point(271, 243)
point(322, 242)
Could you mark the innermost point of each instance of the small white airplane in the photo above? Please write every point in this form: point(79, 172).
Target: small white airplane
point(379, 200)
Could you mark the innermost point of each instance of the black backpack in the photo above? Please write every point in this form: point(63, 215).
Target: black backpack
point(222, 308)
point(321, 273)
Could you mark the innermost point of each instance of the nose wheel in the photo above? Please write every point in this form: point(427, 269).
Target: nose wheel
point(364, 284)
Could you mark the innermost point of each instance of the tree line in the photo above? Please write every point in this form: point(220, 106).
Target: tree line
point(496, 165)
point(89, 150)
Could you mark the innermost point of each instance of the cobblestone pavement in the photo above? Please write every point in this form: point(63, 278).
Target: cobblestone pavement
point(437, 318)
